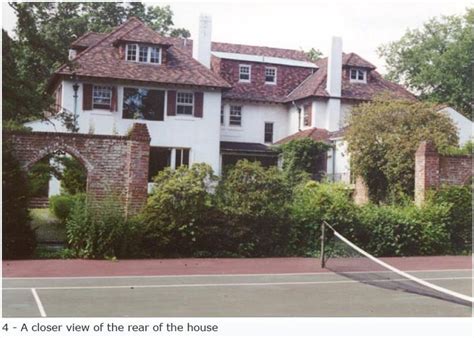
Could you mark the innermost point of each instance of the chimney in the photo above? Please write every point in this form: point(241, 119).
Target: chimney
point(204, 40)
point(334, 76)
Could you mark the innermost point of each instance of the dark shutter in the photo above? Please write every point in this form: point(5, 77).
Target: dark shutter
point(171, 106)
point(198, 104)
point(113, 100)
point(87, 96)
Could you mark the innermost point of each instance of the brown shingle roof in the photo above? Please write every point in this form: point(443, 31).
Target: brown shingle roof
point(258, 50)
point(317, 134)
point(87, 39)
point(102, 60)
point(315, 85)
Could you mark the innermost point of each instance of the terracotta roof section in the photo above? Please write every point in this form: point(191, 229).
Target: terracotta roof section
point(258, 50)
point(144, 34)
point(88, 39)
point(185, 45)
point(245, 147)
point(317, 134)
point(102, 60)
point(315, 85)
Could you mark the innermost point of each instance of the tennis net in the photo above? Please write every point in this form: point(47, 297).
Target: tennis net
point(345, 258)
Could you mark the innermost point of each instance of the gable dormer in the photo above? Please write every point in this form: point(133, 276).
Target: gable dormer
point(356, 69)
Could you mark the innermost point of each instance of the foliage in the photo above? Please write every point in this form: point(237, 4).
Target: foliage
point(314, 54)
point(39, 176)
point(393, 230)
point(179, 201)
point(459, 226)
point(45, 31)
point(466, 149)
point(314, 203)
point(73, 176)
point(255, 203)
point(99, 229)
point(436, 60)
point(300, 158)
point(19, 239)
point(383, 136)
point(61, 205)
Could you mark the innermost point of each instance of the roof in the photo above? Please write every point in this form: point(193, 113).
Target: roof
point(317, 134)
point(88, 39)
point(315, 85)
point(101, 60)
point(258, 50)
point(245, 147)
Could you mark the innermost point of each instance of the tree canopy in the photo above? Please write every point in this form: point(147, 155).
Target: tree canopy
point(383, 137)
point(44, 32)
point(436, 60)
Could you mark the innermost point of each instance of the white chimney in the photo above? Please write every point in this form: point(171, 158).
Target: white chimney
point(334, 77)
point(72, 54)
point(333, 85)
point(204, 40)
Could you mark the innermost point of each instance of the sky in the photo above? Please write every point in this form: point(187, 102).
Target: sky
point(363, 25)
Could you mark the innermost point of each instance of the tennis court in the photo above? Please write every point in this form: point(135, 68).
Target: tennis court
point(225, 288)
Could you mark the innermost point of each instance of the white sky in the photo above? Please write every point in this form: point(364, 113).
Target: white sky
point(298, 24)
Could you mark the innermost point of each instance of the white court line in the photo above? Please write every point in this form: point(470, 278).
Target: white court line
point(158, 286)
point(38, 302)
point(224, 275)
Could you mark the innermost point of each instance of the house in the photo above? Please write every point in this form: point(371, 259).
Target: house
point(229, 102)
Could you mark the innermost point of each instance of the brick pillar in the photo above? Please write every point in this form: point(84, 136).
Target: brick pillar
point(426, 170)
point(137, 168)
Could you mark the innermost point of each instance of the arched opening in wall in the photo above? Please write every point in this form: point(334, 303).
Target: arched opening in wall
point(55, 182)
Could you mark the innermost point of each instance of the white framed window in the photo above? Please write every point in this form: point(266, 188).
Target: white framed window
point(235, 118)
point(244, 73)
point(358, 75)
point(143, 53)
point(268, 136)
point(270, 75)
point(181, 157)
point(101, 97)
point(184, 103)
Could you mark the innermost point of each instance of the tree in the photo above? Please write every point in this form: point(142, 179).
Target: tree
point(436, 60)
point(314, 54)
point(383, 136)
point(45, 31)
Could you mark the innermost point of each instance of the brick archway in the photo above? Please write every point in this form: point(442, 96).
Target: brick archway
point(114, 164)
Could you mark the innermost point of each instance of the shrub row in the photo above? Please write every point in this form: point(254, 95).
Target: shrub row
point(254, 212)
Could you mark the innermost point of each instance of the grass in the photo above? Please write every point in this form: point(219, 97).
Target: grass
point(48, 227)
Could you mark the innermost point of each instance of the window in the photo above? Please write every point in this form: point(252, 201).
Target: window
point(160, 158)
point(244, 73)
point(222, 115)
point(235, 118)
point(143, 53)
point(101, 97)
point(358, 75)
point(270, 75)
point(144, 104)
point(268, 132)
point(307, 115)
point(184, 103)
point(182, 157)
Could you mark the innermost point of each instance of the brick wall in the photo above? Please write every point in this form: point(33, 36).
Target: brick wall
point(115, 164)
point(433, 170)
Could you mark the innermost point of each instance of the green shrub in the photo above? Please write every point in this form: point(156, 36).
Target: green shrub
point(314, 203)
point(391, 230)
point(255, 202)
point(18, 239)
point(99, 229)
point(459, 225)
point(178, 204)
point(61, 205)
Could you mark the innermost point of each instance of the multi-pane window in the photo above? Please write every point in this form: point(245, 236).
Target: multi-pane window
point(144, 104)
point(244, 73)
point(270, 75)
point(182, 157)
point(307, 115)
point(358, 75)
point(159, 159)
point(235, 118)
point(222, 115)
point(143, 53)
point(155, 55)
point(268, 132)
point(184, 103)
point(101, 97)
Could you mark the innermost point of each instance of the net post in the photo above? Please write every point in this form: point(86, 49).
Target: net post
point(323, 263)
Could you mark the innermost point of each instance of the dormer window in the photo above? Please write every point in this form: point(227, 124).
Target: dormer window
point(270, 75)
point(358, 75)
point(244, 73)
point(143, 53)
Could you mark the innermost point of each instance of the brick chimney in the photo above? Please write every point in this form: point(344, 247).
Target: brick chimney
point(204, 40)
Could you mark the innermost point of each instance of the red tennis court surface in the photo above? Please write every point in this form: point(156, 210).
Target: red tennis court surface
point(198, 266)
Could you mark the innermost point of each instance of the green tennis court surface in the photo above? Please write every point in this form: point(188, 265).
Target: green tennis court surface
point(298, 294)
